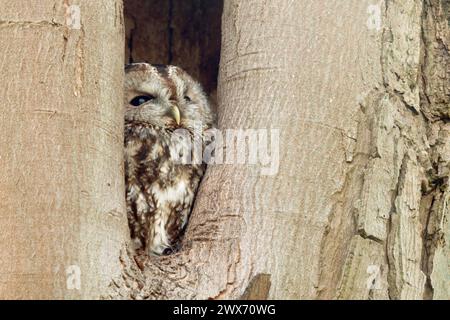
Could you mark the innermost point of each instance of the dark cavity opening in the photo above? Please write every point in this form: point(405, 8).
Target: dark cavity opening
point(186, 33)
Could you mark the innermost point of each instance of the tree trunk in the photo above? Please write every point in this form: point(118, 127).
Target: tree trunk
point(61, 186)
point(358, 207)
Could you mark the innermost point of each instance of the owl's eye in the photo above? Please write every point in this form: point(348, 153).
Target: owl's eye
point(187, 98)
point(137, 101)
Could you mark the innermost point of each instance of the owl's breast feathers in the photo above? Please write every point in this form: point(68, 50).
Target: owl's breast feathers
point(160, 191)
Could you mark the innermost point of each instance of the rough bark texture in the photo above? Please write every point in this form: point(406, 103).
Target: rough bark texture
point(359, 207)
point(392, 227)
point(61, 185)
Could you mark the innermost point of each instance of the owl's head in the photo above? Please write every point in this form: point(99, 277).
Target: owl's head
point(165, 97)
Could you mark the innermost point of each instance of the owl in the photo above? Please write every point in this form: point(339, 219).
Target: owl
point(165, 111)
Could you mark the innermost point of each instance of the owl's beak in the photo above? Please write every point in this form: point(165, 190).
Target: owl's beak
point(175, 113)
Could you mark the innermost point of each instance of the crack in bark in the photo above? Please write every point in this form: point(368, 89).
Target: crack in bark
point(426, 254)
point(393, 291)
point(431, 47)
point(40, 23)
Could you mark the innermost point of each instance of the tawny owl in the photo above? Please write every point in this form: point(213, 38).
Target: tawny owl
point(160, 102)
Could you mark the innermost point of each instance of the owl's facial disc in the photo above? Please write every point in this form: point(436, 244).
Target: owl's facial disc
point(165, 97)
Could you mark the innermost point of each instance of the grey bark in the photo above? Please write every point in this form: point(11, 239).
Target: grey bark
point(61, 178)
point(359, 207)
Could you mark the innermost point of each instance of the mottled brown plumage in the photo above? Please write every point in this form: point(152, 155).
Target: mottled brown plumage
point(165, 112)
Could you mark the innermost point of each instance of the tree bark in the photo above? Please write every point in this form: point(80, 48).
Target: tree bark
point(358, 209)
point(359, 206)
point(61, 186)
